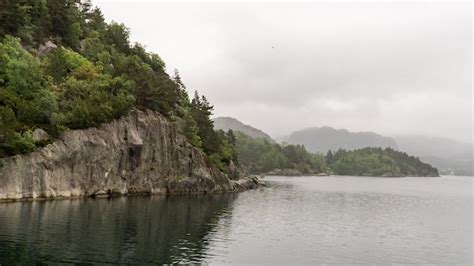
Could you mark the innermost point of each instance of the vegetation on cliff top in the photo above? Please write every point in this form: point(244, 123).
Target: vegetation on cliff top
point(62, 66)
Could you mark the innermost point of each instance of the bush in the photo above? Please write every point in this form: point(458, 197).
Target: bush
point(22, 143)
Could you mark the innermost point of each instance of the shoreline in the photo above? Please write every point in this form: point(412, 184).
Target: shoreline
point(243, 184)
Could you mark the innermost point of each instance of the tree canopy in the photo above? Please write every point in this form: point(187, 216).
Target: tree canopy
point(379, 162)
point(63, 67)
point(259, 155)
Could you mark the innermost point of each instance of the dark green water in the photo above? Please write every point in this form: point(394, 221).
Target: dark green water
point(304, 220)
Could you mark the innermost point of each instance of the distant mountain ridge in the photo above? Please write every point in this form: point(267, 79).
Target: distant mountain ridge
point(323, 139)
point(226, 123)
point(434, 146)
point(450, 156)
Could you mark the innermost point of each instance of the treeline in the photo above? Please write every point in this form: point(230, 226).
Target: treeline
point(259, 156)
point(62, 66)
point(377, 162)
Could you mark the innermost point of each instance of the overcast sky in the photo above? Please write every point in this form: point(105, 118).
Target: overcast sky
point(403, 68)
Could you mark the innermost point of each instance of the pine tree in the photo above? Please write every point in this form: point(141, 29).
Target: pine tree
point(329, 157)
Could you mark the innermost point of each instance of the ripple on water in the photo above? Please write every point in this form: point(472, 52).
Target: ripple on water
point(303, 220)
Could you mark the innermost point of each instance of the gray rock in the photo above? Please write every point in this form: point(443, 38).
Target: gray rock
point(233, 170)
point(46, 47)
point(40, 135)
point(137, 154)
point(285, 172)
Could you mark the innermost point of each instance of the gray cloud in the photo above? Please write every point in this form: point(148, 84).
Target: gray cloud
point(394, 68)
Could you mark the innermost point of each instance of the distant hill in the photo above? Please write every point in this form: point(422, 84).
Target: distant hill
point(449, 156)
point(378, 162)
point(226, 123)
point(322, 139)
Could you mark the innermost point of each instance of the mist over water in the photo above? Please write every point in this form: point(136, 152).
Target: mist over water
point(294, 220)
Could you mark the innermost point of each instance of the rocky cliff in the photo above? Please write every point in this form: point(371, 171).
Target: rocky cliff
point(138, 154)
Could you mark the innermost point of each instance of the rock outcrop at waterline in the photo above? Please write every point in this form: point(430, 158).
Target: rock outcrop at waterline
point(140, 153)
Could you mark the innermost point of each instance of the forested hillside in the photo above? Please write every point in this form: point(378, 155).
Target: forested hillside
point(261, 156)
point(63, 67)
point(323, 139)
point(226, 123)
point(449, 156)
point(377, 162)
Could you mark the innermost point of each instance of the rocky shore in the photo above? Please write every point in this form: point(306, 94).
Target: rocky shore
point(292, 172)
point(137, 154)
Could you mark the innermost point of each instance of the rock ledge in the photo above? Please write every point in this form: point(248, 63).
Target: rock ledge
point(140, 153)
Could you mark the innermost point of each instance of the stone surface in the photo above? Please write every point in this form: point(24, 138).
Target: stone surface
point(322, 174)
point(46, 47)
point(233, 170)
point(40, 135)
point(138, 154)
point(285, 172)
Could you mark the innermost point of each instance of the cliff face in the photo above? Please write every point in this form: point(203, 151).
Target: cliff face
point(139, 153)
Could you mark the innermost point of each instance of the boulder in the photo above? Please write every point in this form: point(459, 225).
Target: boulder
point(46, 47)
point(233, 171)
point(40, 135)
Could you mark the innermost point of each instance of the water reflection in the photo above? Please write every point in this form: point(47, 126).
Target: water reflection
point(294, 220)
point(138, 230)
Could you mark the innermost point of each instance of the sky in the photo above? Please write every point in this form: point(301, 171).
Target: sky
point(392, 68)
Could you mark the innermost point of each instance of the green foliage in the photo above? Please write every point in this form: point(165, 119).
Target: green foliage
point(87, 103)
point(261, 156)
point(24, 90)
point(183, 115)
point(219, 145)
point(7, 124)
point(22, 143)
point(16, 143)
point(379, 162)
point(118, 36)
point(66, 20)
point(93, 76)
point(201, 111)
point(329, 157)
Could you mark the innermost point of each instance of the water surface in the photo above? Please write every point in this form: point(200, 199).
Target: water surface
point(302, 220)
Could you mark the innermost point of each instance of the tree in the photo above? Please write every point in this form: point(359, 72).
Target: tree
point(93, 76)
point(118, 36)
point(329, 157)
point(24, 88)
point(201, 112)
point(380, 162)
point(66, 22)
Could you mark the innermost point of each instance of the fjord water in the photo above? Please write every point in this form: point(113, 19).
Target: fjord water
point(294, 220)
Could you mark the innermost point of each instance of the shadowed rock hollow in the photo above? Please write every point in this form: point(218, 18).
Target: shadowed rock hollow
point(137, 154)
